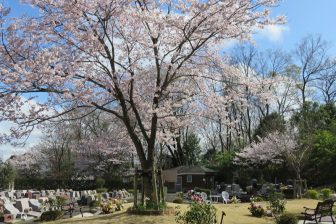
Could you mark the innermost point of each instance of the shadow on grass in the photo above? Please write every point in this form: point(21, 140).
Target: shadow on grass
point(121, 218)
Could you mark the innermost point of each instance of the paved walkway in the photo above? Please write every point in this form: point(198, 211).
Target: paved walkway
point(325, 220)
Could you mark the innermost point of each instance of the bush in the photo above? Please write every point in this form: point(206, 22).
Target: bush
point(100, 182)
point(312, 194)
point(277, 203)
point(287, 218)
point(289, 193)
point(178, 200)
point(257, 199)
point(179, 194)
point(207, 191)
point(199, 213)
point(51, 215)
point(101, 190)
point(94, 204)
point(256, 210)
point(326, 193)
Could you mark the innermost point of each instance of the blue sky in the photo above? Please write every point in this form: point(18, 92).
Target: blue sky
point(304, 17)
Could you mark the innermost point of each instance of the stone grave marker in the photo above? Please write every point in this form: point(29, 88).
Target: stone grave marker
point(23, 205)
point(35, 205)
point(90, 199)
point(105, 195)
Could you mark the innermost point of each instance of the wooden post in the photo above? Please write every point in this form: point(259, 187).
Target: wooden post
point(159, 190)
point(142, 189)
point(305, 185)
point(162, 187)
point(155, 192)
point(135, 187)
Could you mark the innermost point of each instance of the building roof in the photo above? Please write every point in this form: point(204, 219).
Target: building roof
point(194, 170)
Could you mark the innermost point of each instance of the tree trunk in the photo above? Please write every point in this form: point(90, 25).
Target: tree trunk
point(150, 189)
point(299, 187)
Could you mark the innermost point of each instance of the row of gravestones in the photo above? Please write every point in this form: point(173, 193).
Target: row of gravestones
point(20, 203)
point(13, 195)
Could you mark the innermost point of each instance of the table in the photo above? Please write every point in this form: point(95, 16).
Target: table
point(214, 197)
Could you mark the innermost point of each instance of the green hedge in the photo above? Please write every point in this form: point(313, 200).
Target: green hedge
point(287, 218)
point(51, 215)
point(78, 185)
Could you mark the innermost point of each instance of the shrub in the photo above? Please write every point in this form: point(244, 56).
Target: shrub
point(178, 200)
point(207, 191)
point(101, 190)
point(289, 193)
point(234, 200)
point(256, 210)
point(287, 218)
point(179, 194)
point(100, 182)
point(312, 194)
point(326, 193)
point(257, 199)
point(51, 215)
point(277, 203)
point(197, 214)
point(94, 204)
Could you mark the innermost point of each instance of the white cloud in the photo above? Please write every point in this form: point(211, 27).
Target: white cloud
point(274, 33)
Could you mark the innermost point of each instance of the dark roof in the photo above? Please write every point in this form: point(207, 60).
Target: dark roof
point(194, 170)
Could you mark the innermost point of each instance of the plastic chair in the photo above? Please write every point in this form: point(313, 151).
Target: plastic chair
point(225, 196)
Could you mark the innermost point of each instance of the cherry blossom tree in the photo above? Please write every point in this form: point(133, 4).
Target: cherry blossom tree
point(275, 148)
point(26, 164)
point(135, 60)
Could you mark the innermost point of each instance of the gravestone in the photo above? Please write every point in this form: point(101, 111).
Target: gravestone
point(9, 207)
point(36, 195)
point(90, 199)
point(105, 195)
point(18, 194)
point(29, 195)
point(35, 205)
point(83, 200)
point(23, 205)
point(43, 193)
point(10, 195)
point(42, 199)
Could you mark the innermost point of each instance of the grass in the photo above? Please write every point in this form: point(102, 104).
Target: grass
point(235, 214)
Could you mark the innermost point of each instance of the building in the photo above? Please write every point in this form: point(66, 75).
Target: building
point(184, 178)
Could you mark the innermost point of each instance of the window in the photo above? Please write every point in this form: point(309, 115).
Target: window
point(189, 178)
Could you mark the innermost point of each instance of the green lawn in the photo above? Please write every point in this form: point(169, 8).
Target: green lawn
point(236, 214)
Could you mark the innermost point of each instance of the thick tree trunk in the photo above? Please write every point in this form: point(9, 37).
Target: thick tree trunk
point(150, 189)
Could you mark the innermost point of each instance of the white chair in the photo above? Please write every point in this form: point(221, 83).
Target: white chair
point(225, 196)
